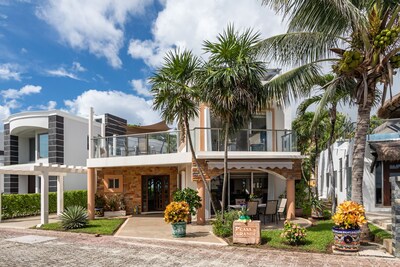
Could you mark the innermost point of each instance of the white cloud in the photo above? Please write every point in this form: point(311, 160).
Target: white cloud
point(51, 105)
point(17, 93)
point(61, 72)
point(132, 108)
point(141, 87)
point(9, 72)
point(76, 66)
point(96, 26)
point(188, 23)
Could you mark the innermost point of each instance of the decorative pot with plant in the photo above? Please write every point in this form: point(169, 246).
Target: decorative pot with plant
point(243, 217)
point(191, 197)
point(177, 213)
point(348, 219)
point(100, 202)
point(316, 207)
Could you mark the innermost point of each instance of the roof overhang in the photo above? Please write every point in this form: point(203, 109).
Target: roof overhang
point(39, 169)
point(386, 150)
point(250, 155)
point(250, 165)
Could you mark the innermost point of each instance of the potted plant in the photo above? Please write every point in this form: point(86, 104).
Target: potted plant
point(348, 219)
point(300, 196)
point(243, 217)
point(100, 202)
point(177, 214)
point(316, 207)
point(191, 197)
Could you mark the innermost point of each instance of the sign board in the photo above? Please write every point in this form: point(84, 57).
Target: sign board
point(247, 232)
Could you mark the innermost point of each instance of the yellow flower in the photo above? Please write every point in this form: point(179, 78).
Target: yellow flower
point(349, 214)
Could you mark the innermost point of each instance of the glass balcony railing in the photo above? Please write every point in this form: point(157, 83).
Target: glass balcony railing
point(248, 140)
point(205, 139)
point(136, 144)
point(383, 137)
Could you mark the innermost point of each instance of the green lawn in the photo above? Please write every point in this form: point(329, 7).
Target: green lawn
point(378, 233)
point(319, 238)
point(98, 226)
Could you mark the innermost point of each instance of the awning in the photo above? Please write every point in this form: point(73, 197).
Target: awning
point(157, 127)
point(387, 150)
point(250, 165)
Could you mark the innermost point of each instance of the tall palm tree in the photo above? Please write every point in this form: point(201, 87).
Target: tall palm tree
point(341, 96)
point(231, 83)
point(359, 38)
point(177, 97)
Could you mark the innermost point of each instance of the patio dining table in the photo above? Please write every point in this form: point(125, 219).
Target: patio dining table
point(238, 207)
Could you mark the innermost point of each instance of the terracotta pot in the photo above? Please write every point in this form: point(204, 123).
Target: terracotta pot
point(346, 239)
point(298, 212)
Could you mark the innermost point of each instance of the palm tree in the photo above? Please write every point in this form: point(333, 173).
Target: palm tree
point(360, 39)
point(231, 83)
point(177, 98)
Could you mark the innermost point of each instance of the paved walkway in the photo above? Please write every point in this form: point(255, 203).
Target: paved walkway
point(67, 249)
point(25, 222)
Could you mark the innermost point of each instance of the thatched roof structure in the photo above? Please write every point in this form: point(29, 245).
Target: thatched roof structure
point(390, 109)
point(157, 127)
point(386, 150)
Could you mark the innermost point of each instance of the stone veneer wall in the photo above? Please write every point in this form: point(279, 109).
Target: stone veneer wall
point(395, 181)
point(132, 182)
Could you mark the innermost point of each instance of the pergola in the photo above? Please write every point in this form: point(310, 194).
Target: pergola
point(44, 171)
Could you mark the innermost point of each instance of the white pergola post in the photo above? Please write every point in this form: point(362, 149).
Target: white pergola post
point(37, 184)
point(60, 194)
point(44, 198)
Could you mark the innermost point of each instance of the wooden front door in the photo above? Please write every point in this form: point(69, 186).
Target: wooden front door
point(391, 169)
point(155, 192)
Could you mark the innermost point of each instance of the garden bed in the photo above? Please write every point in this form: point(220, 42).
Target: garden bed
point(319, 239)
point(378, 234)
point(97, 226)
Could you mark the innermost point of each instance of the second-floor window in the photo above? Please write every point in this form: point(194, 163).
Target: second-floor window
point(43, 145)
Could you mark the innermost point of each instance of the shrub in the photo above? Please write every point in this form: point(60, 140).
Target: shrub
point(176, 212)
point(20, 205)
point(293, 233)
point(190, 196)
point(115, 202)
point(74, 217)
point(223, 227)
point(349, 215)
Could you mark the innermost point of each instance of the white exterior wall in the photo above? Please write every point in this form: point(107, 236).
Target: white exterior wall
point(22, 184)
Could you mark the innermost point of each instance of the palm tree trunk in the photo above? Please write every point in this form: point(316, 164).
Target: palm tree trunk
point(198, 165)
point(224, 186)
point(332, 114)
point(315, 164)
point(360, 139)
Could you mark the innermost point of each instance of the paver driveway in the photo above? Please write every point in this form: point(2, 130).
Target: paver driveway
point(86, 250)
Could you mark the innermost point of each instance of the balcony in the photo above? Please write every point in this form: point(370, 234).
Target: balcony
point(207, 139)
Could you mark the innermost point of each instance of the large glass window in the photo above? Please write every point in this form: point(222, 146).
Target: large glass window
point(43, 146)
point(32, 149)
point(378, 183)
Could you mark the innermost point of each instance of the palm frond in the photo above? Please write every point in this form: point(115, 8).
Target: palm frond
point(302, 108)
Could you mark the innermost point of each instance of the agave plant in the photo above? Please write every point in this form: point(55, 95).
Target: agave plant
point(74, 217)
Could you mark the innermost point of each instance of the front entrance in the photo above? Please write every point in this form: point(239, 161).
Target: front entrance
point(391, 169)
point(155, 192)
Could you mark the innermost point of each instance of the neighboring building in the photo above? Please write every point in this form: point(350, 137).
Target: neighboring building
point(147, 167)
point(48, 137)
point(382, 160)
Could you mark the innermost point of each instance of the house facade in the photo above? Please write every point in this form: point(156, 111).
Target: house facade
point(382, 160)
point(145, 168)
point(49, 137)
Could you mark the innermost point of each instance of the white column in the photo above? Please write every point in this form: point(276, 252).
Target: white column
point(90, 132)
point(44, 198)
point(37, 185)
point(60, 194)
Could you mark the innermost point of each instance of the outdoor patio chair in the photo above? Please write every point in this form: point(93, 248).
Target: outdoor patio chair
point(281, 208)
point(270, 210)
point(252, 209)
point(259, 200)
point(240, 201)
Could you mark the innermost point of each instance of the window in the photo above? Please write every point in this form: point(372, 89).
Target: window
point(43, 145)
point(113, 183)
point(32, 149)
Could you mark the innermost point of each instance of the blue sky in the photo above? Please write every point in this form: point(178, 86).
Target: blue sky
point(73, 54)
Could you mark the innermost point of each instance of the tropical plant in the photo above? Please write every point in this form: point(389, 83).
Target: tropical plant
point(293, 233)
point(176, 212)
point(231, 83)
point(74, 217)
point(177, 97)
point(349, 215)
point(99, 201)
point(360, 39)
point(316, 204)
point(223, 225)
point(190, 196)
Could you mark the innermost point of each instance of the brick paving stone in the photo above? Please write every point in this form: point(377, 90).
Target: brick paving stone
point(86, 250)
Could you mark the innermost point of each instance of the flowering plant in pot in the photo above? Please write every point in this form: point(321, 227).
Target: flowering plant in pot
point(243, 217)
point(348, 219)
point(177, 213)
point(191, 197)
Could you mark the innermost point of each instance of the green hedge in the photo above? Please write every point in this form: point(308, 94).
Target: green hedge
point(20, 205)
